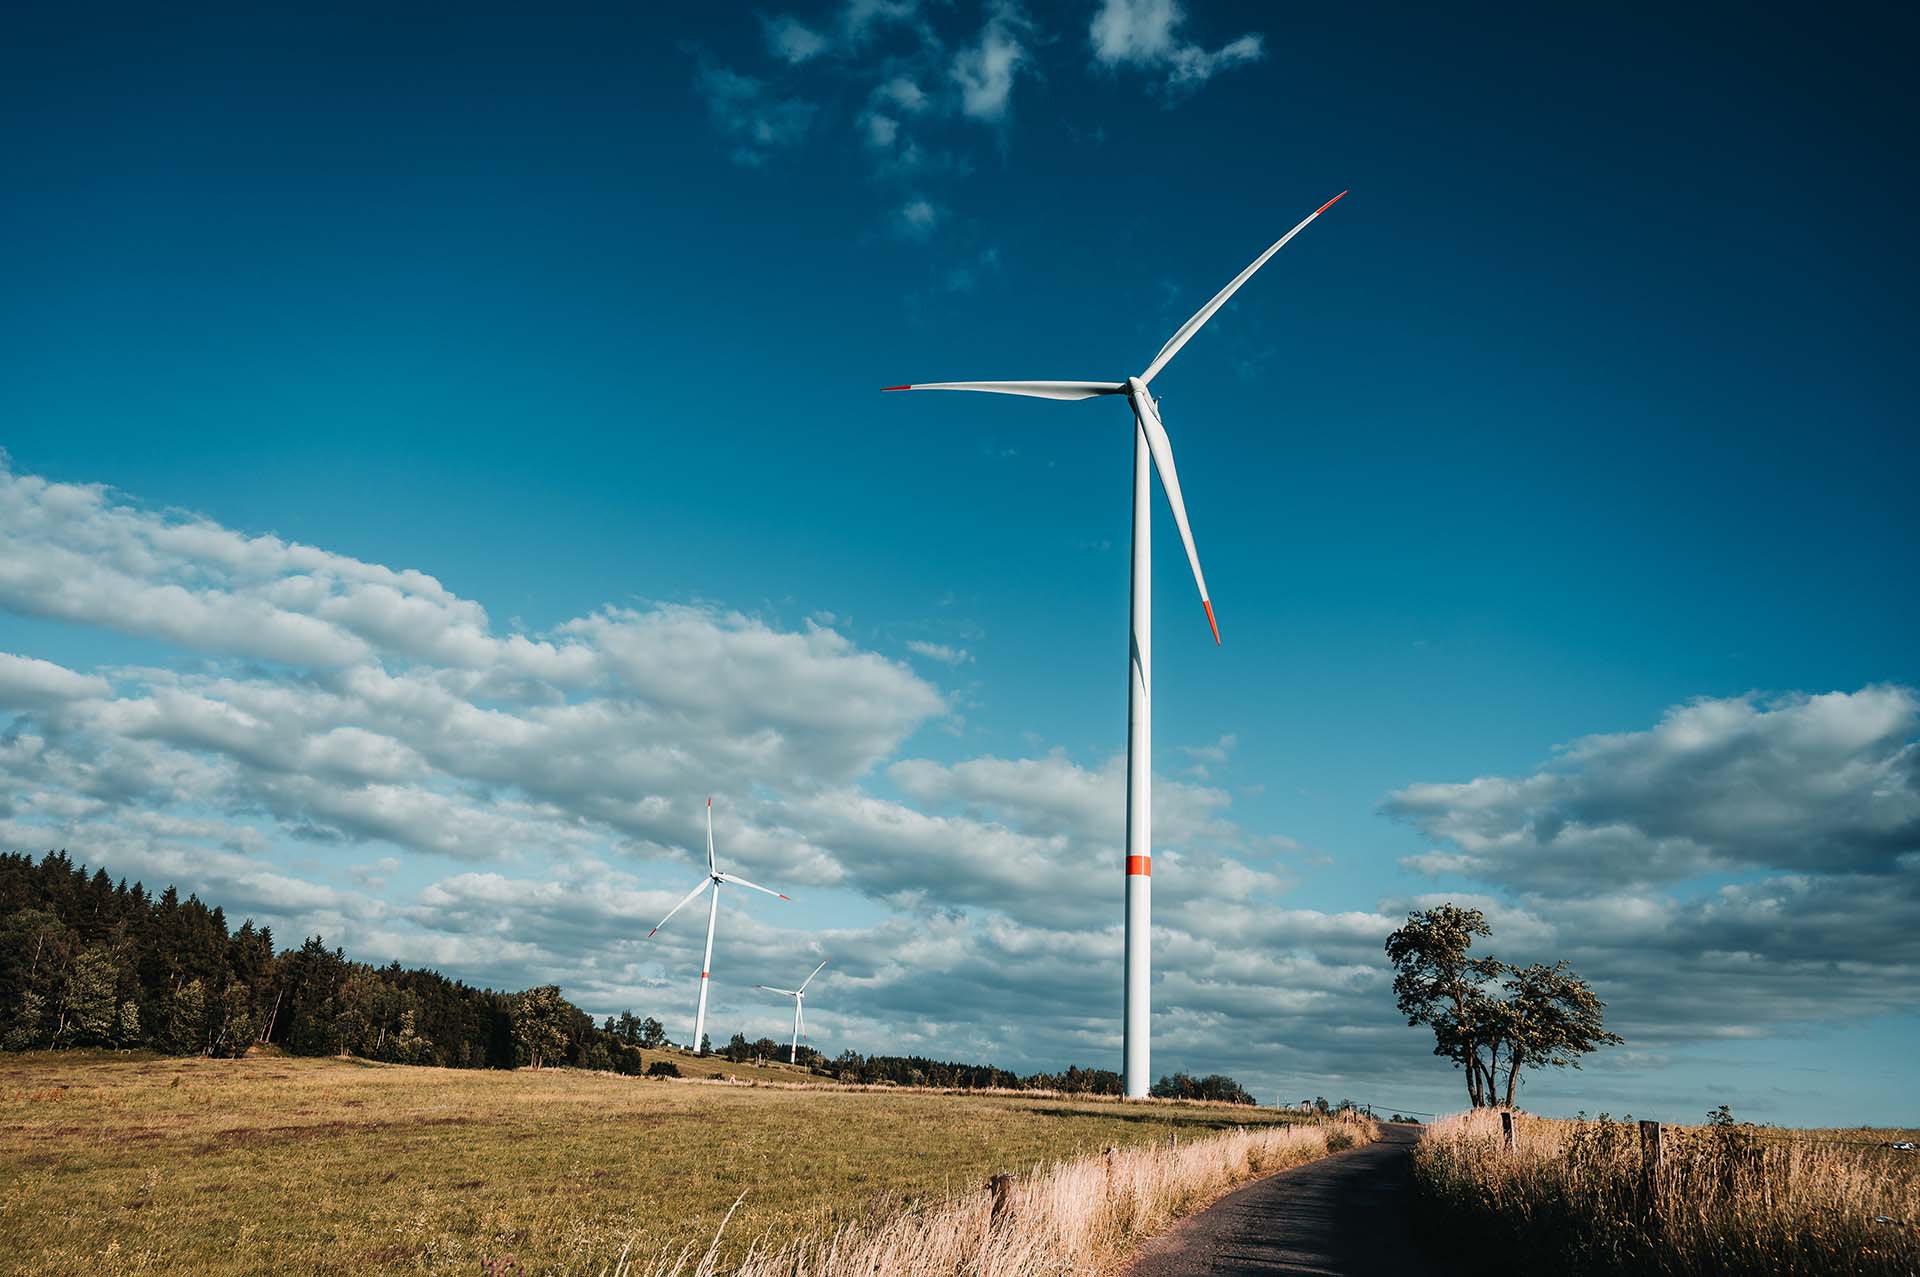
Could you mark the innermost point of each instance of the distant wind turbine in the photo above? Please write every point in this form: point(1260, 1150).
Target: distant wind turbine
point(716, 880)
point(799, 996)
point(1150, 443)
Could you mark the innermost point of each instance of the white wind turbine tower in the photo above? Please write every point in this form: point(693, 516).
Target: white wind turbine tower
point(1150, 443)
point(716, 880)
point(799, 996)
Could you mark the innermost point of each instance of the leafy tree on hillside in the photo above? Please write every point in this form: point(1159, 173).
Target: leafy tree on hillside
point(1491, 1019)
point(88, 1008)
point(540, 1024)
point(187, 1019)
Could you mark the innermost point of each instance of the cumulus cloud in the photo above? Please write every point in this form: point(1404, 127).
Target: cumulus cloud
point(1826, 783)
point(27, 683)
point(1746, 866)
point(516, 808)
point(1145, 35)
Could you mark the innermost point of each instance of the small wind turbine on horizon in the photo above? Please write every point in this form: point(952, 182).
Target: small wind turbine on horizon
point(1150, 446)
point(714, 879)
point(799, 996)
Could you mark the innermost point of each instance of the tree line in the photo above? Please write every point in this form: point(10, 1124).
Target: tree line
point(89, 962)
point(86, 961)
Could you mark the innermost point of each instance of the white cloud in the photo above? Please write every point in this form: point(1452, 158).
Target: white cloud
point(941, 652)
point(917, 218)
point(902, 93)
point(791, 40)
point(1826, 783)
point(27, 682)
point(985, 70)
point(417, 784)
point(1144, 34)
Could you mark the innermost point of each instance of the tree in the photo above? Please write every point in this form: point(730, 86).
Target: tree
point(87, 1009)
point(187, 1020)
point(1435, 983)
point(237, 1027)
point(1214, 1086)
point(1551, 1017)
point(1491, 1019)
point(652, 1033)
point(540, 1018)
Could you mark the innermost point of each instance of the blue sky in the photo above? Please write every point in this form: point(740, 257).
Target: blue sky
point(1591, 403)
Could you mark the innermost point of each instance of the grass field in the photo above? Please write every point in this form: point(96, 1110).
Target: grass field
point(118, 1164)
point(1580, 1197)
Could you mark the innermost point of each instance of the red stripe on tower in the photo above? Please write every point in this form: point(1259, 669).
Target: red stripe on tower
point(1140, 865)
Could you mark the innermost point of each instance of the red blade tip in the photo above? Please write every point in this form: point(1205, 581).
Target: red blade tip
point(1329, 204)
point(783, 895)
point(1207, 604)
point(885, 389)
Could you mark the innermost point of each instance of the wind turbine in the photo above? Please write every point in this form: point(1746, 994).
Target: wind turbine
point(1150, 444)
point(799, 996)
point(716, 880)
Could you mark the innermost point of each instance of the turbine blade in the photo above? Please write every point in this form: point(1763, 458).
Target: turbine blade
point(786, 993)
point(710, 865)
point(1162, 449)
point(1031, 389)
point(1192, 326)
point(800, 1020)
point(809, 980)
point(684, 902)
point(742, 882)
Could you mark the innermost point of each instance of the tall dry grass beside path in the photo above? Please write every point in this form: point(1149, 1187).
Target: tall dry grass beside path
point(1078, 1216)
point(129, 1165)
point(1583, 1197)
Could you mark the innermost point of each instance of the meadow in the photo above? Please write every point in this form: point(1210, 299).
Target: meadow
point(139, 1164)
point(1576, 1197)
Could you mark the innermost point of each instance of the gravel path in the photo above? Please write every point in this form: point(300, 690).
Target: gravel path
point(1342, 1216)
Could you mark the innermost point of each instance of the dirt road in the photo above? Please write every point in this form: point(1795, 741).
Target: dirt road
point(1342, 1216)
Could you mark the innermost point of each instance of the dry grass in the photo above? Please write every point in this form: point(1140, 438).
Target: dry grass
point(124, 1164)
point(1574, 1197)
point(1079, 1216)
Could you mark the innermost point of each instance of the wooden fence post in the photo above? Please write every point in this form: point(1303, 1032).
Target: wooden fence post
point(1650, 1174)
point(1506, 1128)
point(1002, 1186)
